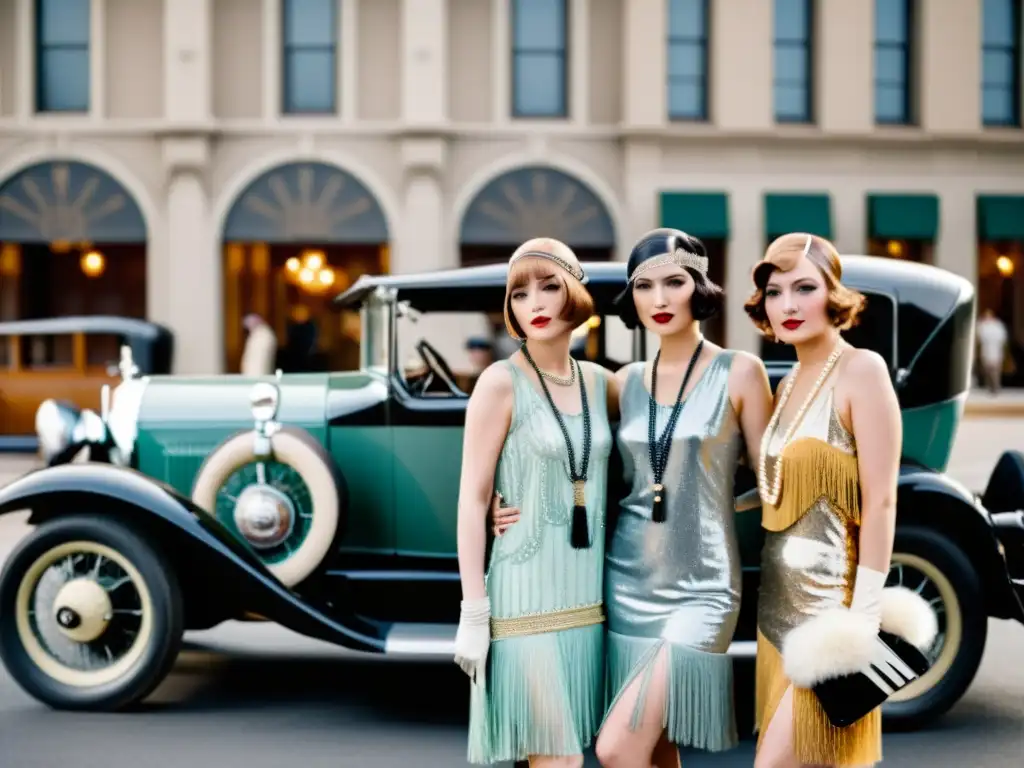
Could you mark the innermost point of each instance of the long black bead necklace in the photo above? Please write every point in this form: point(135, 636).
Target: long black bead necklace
point(659, 447)
point(579, 535)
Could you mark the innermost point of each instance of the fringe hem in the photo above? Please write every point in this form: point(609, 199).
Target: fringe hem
point(812, 469)
point(816, 741)
point(542, 696)
point(699, 708)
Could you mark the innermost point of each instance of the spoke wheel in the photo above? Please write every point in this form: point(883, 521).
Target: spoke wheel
point(97, 615)
point(931, 563)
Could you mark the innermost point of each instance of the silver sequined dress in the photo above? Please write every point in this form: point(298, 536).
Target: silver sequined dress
point(675, 586)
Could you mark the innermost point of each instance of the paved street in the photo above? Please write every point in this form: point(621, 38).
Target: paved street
point(264, 697)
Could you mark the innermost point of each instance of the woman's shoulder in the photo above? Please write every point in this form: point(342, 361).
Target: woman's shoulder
point(495, 381)
point(864, 367)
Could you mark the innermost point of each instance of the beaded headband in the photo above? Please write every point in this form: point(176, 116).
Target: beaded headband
point(572, 268)
point(679, 257)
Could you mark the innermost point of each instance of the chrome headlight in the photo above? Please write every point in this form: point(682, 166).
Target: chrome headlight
point(55, 426)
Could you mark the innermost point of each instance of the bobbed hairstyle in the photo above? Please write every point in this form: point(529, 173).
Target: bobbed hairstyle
point(539, 259)
point(671, 246)
point(844, 304)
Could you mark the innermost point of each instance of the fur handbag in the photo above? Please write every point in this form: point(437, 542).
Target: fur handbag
point(851, 668)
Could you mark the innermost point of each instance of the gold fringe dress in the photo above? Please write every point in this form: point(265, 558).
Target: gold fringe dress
point(808, 565)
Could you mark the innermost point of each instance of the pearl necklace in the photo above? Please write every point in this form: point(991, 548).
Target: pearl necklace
point(772, 496)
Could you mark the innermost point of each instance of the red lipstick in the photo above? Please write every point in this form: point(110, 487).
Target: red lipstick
point(792, 325)
point(540, 321)
point(662, 317)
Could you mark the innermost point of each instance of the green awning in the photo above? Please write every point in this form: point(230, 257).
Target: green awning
point(702, 214)
point(903, 217)
point(789, 212)
point(1001, 217)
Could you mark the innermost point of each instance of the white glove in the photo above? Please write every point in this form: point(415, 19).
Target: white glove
point(473, 638)
point(867, 594)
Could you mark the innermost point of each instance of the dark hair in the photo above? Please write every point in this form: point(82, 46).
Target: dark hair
point(707, 299)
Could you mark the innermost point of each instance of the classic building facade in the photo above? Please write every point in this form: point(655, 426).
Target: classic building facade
point(411, 135)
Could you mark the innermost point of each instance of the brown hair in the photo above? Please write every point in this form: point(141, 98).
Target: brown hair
point(844, 304)
point(579, 304)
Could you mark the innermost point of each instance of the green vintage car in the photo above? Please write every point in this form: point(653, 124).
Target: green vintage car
point(327, 502)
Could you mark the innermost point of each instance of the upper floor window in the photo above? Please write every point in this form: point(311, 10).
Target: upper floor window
point(309, 32)
point(893, 41)
point(1000, 62)
point(793, 60)
point(688, 59)
point(539, 42)
point(62, 55)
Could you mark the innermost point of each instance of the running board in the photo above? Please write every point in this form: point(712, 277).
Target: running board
point(437, 642)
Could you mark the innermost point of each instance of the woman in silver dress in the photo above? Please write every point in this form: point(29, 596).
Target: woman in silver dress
point(672, 573)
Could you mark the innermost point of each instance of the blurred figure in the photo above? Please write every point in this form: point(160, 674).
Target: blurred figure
point(992, 338)
point(481, 355)
point(260, 347)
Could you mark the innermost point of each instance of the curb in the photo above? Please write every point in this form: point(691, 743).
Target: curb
point(983, 408)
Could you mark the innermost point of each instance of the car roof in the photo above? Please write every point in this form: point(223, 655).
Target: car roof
point(127, 326)
point(922, 284)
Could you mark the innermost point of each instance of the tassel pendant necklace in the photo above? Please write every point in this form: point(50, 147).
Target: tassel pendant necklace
point(579, 536)
point(658, 448)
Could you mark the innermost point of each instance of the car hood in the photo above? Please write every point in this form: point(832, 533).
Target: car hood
point(224, 400)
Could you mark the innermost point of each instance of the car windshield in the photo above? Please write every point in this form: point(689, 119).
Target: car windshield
point(436, 350)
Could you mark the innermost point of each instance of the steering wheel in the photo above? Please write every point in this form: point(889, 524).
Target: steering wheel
point(437, 365)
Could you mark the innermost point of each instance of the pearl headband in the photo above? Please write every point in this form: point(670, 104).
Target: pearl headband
point(679, 257)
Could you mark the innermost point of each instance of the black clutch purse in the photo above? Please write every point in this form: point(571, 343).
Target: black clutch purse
point(895, 664)
point(851, 667)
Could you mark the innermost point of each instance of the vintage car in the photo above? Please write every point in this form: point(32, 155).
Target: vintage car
point(327, 502)
point(68, 359)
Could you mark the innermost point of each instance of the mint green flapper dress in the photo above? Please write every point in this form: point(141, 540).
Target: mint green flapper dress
point(544, 687)
point(674, 586)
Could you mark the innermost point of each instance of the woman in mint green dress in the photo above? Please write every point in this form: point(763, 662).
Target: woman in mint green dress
point(531, 633)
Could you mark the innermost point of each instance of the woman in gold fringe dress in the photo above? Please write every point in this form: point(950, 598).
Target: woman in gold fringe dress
point(829, 463)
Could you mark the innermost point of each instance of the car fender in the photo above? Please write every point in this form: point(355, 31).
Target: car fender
point(936, 500)
point(216, 564)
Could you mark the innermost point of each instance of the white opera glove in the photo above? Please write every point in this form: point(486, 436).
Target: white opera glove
point(473, 638)
point(867, 594)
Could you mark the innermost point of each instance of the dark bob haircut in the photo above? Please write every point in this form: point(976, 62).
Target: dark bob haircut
point(707, 297)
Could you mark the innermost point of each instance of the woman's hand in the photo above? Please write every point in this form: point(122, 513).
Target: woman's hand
point(473, 638)
point(501, 516)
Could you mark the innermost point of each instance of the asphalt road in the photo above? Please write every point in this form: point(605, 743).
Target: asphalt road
point(262, 697)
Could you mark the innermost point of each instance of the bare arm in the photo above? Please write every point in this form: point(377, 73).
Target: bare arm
point(751, 395)
point(878, 431)
point(488, 417)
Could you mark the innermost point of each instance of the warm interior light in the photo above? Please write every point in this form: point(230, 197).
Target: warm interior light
point(895, 248)
point(326, 276)
point(293, 265)
point(306, 276)
point(93, 264)
point(594, 321)
point(313, 259)
point(1005, 266)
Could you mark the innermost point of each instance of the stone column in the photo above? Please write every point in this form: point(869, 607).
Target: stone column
point(949, 66)
point(956, 248)
point(645, 75)
point(744, 249)
point(424, 61)
point(188, 84)
point(740, 53)
point(193, 263)
point(420, 241)
point(844, 89)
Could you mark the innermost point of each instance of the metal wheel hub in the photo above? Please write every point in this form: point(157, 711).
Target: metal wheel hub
point(264, 516)
point(82, 610)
